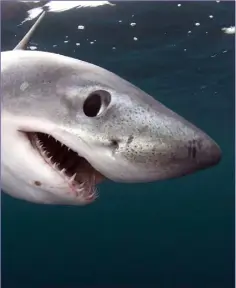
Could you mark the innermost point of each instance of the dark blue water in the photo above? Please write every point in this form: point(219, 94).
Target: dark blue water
point(170, 234)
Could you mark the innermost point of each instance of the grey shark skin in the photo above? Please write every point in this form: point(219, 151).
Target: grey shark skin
point(124, 134)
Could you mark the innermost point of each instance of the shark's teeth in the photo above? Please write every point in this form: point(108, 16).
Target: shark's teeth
point(55, 166)
point(80, 184)
point(63, 171)
point(72, 179)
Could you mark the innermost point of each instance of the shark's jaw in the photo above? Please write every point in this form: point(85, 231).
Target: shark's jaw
point(75, 170)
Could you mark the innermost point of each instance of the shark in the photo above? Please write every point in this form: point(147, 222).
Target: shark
point(69, 125)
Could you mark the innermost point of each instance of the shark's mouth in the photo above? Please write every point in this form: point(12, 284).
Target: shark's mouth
point(77, 172)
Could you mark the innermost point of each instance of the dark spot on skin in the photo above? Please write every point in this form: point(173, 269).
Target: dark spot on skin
point(114, 143)
point(37, 183)
point(143, 129)
point(130, 139)
point(194, 152)
point(189, 150)
point(192, 149)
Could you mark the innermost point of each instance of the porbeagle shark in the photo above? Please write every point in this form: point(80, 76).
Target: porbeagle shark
point(68, 125)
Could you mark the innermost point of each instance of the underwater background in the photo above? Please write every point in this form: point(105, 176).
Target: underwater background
point(170, 234)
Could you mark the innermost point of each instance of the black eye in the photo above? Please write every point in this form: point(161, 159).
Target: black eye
point(96, 103)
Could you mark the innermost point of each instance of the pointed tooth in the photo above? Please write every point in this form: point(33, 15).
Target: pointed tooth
point(73, 178)
point(63, 171)
point(55, 165)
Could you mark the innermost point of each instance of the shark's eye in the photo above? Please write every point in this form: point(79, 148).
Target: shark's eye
point(96, 103)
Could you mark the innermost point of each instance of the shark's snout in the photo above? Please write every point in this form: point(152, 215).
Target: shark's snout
point(204, 152)
point(191, 154)
point(179, 149)
point(166, 146)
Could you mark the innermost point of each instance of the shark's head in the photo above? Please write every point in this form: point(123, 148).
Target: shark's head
point(69, 124)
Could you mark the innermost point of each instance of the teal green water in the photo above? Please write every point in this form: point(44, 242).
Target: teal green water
point(170, 234)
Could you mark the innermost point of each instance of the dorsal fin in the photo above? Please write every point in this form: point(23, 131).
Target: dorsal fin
point(23, 43)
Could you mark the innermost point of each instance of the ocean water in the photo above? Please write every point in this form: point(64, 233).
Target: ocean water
point(169, 234)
